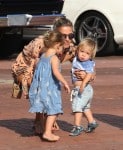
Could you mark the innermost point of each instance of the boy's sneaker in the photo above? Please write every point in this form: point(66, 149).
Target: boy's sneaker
point(91, 127)
point(76, 130)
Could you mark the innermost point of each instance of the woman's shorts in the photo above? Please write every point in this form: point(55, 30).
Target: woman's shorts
point(81, 102)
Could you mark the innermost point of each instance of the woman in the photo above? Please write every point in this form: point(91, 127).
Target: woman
point(30, 54)
point(23, 67)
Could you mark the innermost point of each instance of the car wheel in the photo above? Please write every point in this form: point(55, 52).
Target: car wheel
point(96, 26)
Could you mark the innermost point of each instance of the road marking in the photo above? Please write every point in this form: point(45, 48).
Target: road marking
point(3, 81)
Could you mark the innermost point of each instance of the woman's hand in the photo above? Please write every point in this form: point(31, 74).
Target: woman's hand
point(80, 74)
point(69, 53)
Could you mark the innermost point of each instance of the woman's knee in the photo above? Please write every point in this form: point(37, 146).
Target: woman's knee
point(19, 78)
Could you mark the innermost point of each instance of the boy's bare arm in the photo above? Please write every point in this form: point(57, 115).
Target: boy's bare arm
point(85, 81)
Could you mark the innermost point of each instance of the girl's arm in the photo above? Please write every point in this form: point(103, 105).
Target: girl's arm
point(55, 63)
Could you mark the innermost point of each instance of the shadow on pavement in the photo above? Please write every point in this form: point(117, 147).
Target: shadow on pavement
point(113, 120)
point(65, 126)
point(24, 126)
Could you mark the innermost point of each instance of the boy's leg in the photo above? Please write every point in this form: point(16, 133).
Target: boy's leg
point(92, 124)
point(48, 135)
point(89, 115)
point(77, 128)
point(78, 118)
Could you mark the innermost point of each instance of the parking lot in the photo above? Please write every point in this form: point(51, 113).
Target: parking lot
point(16, 122)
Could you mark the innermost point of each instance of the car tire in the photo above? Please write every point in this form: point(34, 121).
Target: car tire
point(96, 26)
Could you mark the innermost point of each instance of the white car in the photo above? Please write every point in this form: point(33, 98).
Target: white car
point(99, 19)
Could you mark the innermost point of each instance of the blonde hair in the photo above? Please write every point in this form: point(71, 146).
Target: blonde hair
point(52, 37)
point(91, 43)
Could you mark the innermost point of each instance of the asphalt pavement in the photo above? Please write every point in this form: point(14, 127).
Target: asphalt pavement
point(16, 132)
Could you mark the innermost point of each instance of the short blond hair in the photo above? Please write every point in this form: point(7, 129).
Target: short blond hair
point(91, 43)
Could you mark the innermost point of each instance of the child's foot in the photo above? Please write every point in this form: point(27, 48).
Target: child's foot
point(55, 127)
point(50, 138)
point(91, 127)
point(76, 130)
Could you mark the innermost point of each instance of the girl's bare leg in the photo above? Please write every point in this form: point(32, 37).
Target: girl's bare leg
point(55, 126)
point(48, 135)
point(39, 123)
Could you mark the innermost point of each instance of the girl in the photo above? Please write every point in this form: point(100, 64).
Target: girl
point(45, 91)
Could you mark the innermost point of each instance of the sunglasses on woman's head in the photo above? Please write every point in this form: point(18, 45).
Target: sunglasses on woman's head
point(70, 36)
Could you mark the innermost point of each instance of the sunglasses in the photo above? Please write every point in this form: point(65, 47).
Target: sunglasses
point(70, 36)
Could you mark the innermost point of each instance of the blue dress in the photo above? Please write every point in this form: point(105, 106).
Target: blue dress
point(45, 90)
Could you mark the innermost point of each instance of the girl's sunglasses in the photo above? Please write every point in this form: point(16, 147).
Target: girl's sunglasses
point(70, 36)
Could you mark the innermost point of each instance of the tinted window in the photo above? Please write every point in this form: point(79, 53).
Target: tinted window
point(30, 6)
